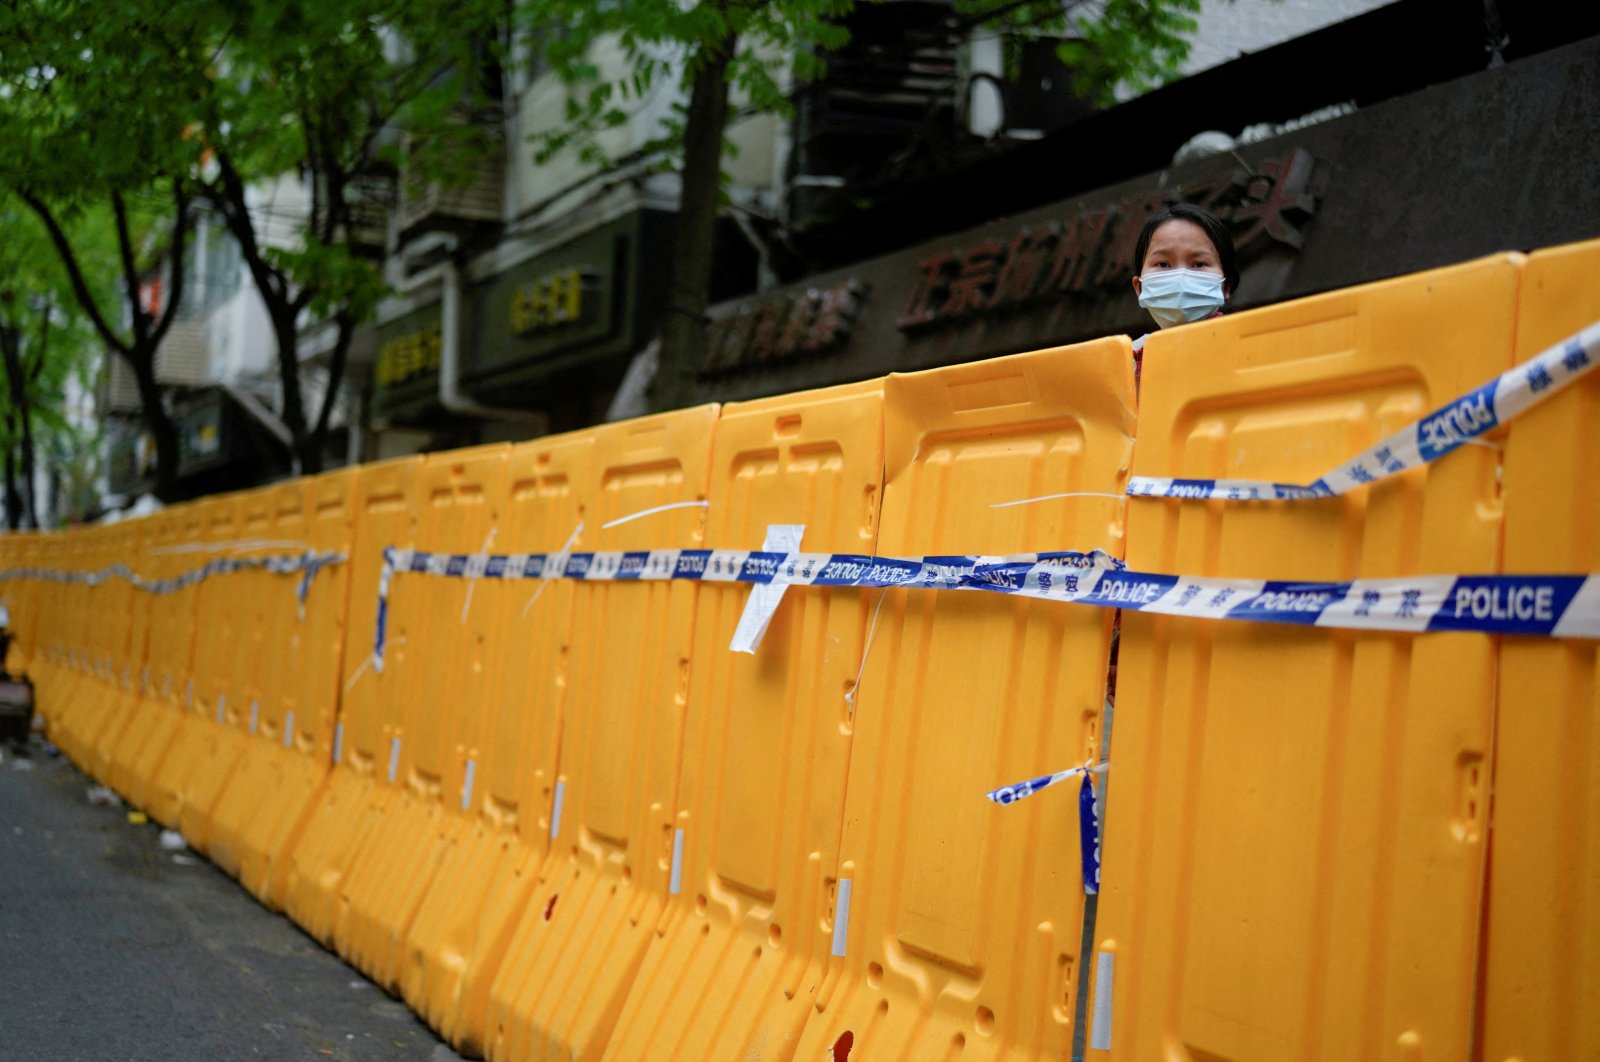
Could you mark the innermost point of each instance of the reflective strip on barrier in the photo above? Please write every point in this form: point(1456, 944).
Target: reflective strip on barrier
point(309, 562)
point(1447, 428)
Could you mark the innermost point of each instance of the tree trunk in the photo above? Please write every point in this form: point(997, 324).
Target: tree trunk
point(346, 325)
point(307, 459)
point(13, 499)
point(683, 318)
point(17, 389)
point(283, 309)
point(162, 430)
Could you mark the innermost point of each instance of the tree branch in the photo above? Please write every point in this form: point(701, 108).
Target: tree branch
point(180, 238)
point(336, 368)
point(130, 275)
point(69, 258)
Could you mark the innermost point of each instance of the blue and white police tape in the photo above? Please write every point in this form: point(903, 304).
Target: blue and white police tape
point(1010, 794)
point(307, 564)
point(962, 572)
point(1561, 606)
point(1088, 812)
point(1089, 834)
point(1445, 429)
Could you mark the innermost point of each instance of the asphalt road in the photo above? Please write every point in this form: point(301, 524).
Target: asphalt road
point(110, 949)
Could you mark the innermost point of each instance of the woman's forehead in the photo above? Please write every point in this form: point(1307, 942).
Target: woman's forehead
point(1178, 234)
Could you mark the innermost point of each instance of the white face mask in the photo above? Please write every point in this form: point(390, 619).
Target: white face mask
point(1176, 296)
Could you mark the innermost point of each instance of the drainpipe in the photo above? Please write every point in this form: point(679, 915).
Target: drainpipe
point(450, 393)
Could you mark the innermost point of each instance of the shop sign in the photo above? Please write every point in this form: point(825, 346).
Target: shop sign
point(804, 323)
point(553, 301)
point(1086, 255)
point(408, 356)
point(1094, 249)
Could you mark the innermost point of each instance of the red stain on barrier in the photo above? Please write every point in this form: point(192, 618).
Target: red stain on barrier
point(842, 1046)
point(550, 907)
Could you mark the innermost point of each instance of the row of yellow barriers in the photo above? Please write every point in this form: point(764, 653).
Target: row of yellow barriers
point(565, 820)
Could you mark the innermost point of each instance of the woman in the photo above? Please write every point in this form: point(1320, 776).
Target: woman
point(1186, 268)
point(1186, 271)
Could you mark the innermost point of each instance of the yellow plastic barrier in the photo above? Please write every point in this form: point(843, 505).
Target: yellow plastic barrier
point(460, 935)
point(114, 606)
point(601, 892)
point(63, 611)
point(128, 746)
point(742, 945)
point(19, 595)
point(71, 687)
point(130, 608)
point(437, 733)
point(279, 778)
point(955, 920)
point(138, 767)
point(352, 802)
point(1294, 842)
point(1541, 985)
point(223, 710)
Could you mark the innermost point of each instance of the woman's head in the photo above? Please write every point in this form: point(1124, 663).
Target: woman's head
point(1180, 250)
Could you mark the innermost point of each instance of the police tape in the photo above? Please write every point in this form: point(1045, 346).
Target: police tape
point(1010, 794)
point(1445, 429)
point(1089, 812)
point(740, 566)
point(1561, 606)
point(309, 562)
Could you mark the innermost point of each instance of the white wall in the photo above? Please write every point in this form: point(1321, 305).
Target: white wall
point(1231, 29)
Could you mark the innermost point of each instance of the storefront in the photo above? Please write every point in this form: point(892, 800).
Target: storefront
point(220, 447)
point(550, 334)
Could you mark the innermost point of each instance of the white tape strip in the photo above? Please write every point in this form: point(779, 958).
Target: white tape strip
point(1100, 1026)
point(255, 715)
point(841, 918)
point(288, 729)
point(765, 597)
point(338, 743)
point(675, 885)
point(553, 566)
point(466, 784)
point(242, 545)
point(555, 809)
point(1054, 497)
point(394, 757)
point(476, 563)
point(642, 513)
point(222, 703)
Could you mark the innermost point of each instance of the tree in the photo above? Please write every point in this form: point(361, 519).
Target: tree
point(314, 88)
point(213, 100)
point(47, 344)
point(754, 48)
point(96, 148)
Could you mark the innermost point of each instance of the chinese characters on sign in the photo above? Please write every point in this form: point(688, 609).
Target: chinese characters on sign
point(813, 321)
point(410, 355)
point(1094, 249)
point(549, 302)
point(1082, 255)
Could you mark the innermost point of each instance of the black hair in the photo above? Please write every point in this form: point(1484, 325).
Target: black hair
point(1218, 233)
